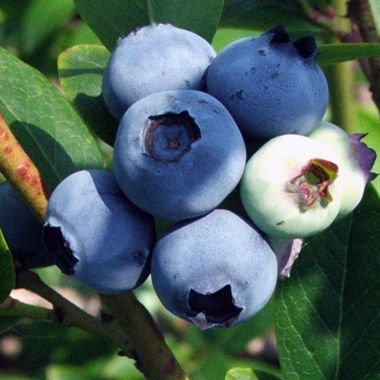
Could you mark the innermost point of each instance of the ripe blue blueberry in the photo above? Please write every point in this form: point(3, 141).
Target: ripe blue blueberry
point(215, 271)
point(271, 85)
point(96, 234)
point(151, 59)
point(22, 230)
point(178, 154)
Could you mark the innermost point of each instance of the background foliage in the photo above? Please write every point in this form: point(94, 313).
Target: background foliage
point(326, 317)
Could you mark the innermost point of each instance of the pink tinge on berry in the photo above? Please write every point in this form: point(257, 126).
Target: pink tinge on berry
point(289, 255)
point(312, 184)
point(287, 251)
point(364, 155)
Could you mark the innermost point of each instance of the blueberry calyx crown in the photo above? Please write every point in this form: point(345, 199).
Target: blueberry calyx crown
point(279, 35)
point(169, 136)
point(306, 46)
point(364, 155)
point(59, 247)
point(312, 184)
point(218, 307)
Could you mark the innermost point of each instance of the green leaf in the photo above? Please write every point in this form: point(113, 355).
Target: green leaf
point(263, 15)
point(7, 272)
point(225, 36)
point(80, 71)
point(200, 16)
point(213, 364)
point(116, 18)
point(113, 18)
point(375, 10)
point(335, 53)
point(240, 374)
point(327, 313)
point(80, 34)
point(44, 122)
point(41, 19)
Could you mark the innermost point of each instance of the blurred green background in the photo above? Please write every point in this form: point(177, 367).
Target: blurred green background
point(37, 31)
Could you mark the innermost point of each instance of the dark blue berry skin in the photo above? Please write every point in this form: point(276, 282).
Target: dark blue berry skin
point(178, 154)
point(22, 230)
point(151, 59)
point(271, 85)
point(97, 235)
point(215, 271)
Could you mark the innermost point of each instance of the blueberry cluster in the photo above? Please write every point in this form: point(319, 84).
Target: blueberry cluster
point(186, 117)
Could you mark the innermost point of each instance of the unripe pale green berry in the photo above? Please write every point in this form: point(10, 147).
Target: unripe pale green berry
point(289, 187)
point(355, 160)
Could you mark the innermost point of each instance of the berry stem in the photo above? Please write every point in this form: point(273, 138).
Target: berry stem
point(359, 11)
point(14, 308)
point(67, 313)
point(341, 75)
point(133, 329)
point(19, 170)
point(154, 358)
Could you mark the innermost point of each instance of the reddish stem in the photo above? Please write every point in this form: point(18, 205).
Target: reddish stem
point(18, 168)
